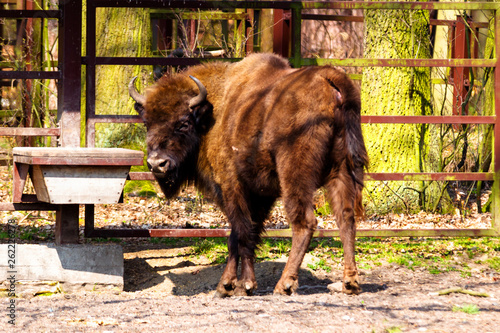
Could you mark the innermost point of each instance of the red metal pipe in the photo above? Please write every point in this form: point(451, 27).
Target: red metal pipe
point(287, 233)
point(428, 119)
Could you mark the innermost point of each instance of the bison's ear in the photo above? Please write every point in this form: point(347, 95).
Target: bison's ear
point(203, 116)
point(140, 110)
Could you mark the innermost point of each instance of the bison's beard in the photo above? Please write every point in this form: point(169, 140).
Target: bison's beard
point(172, 181)
point(169, 186)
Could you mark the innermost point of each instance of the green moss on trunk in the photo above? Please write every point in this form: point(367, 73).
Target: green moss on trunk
point(121, 32)
point(396, 91)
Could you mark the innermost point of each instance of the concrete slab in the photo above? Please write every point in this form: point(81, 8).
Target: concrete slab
point(65, 268)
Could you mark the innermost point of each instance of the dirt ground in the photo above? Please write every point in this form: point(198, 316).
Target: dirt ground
point(168, 291)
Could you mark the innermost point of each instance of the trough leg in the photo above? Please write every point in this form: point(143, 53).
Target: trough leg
point(67, 224)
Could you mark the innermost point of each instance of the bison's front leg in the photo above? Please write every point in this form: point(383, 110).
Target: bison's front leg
point(247, 283)
point(242, 244)
point(229, 278)
point(229, 284)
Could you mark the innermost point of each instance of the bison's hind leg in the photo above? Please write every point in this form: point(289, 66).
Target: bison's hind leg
point(300, 212)
point(342, 197)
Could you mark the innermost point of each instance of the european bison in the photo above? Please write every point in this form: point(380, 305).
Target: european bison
point(249, 132)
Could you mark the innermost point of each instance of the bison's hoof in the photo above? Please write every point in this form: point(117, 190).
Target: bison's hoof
point(286, 286)
point(219, 294)
point(238, 291)
point(224, 290)
point(351, 287)
point(245, 288)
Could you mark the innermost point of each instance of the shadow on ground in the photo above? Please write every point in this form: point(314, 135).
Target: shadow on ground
point(185, 275)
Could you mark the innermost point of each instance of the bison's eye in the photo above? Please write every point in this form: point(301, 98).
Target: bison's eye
point(183, 126)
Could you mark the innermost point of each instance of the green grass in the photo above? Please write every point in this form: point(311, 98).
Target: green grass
point(324, 210)
point(163, 240)
point(214, 249)
point(436, 256)
point(271, 249)
point(33, 233)
point(320, 264)
point(140, 188)
point(494, 263)
point(466, 308)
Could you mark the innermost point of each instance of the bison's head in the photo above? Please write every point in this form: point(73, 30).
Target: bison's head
point(176, 113)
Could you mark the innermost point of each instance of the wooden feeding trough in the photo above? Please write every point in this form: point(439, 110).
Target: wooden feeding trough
point(73, 175)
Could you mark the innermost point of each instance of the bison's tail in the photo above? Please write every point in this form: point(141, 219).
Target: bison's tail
point(348, 117)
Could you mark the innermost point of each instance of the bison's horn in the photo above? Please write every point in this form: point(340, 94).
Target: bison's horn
point(134, 93)
point(202, 96)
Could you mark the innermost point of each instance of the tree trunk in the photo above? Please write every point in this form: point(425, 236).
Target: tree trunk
point(396, 91)
point(120, 32)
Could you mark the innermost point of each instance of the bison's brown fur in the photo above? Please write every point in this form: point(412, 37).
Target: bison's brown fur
point(265, 130)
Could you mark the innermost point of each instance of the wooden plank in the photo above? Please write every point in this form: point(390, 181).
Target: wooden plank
point(77, 156)
point(58, 184)
point(19, 180)
point(42, 193)
point(102, 161)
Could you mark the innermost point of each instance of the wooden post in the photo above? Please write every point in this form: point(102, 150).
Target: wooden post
point(68, 114)
point(70, 44)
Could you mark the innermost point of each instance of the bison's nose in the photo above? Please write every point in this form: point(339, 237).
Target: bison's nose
point(157, 165)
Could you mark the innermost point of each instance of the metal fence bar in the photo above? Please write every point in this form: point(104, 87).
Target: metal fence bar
point(30, 75)
point(90, 75)
point(431, 176)
point(370, 176)
point(146, 61)
point(16, 14)
point(29, 131)
point(303, 62)
point(401, 62)
point(298, 4)
point(287, 233)
point(428, 119)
